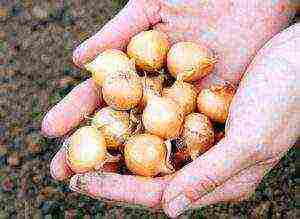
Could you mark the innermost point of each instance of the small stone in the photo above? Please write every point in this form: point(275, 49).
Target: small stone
point(70, 214)
point(45, 59)
point(3, 150)
point(2, 34)
point(3, 12)
point(37, 214)
point(48, 192)
point(48, 216)
point(27, 3)
point(50, 206)
point(40, 12)
point(14, 160)
point(37, 179)
point(72, 196)
point(261, 211)
point(7, 184)
point(33, 142)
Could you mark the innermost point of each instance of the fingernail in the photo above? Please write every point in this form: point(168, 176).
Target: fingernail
point(77, 54)
point(77, 183)
point(47, 129)
point(178, 205)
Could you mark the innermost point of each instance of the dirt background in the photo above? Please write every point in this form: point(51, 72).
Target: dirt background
point(36, 43)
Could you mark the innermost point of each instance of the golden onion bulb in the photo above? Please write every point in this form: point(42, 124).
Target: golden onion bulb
point(86, 150)
point(163, 117)
point(149, 50)
point(184, 94)
point(190, 61)
point(146, 155)
point(109, 62)
point(198, 134)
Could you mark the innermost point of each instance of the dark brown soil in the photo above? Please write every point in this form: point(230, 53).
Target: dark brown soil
point(36, 43)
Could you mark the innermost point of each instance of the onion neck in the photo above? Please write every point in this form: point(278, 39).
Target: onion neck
point(166, 169)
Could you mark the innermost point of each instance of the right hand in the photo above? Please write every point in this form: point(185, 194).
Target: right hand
point(235, 30)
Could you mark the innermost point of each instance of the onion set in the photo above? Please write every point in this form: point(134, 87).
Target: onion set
point(122, 91)
point(87, 151)
point(215, 101)
point(190, 61)
point(198, 134)
point(109, 62)
point(163, 117)
point(147, 155)
point(151, 86)
point(115, 125)
point(149, 50)
point(184, 94)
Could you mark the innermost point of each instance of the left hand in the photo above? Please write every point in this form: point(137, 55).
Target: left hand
point(263, 123)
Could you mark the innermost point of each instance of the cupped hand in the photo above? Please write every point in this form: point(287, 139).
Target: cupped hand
point(263, 123)
point(235, 30)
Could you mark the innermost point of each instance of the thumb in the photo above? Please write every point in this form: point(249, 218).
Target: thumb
point(136, 16)
point(202, 176)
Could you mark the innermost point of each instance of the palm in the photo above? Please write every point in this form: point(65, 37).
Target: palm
point(230, 29)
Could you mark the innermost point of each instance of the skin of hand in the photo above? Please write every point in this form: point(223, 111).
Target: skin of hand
point(235, 30)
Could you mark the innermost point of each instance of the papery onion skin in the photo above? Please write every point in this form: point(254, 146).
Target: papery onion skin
point(86, 149)
point(190, 61)
point(163, 117)
point(198, 134)
point(110, 167)
point(109, 62)
point(122, 91)
point(114, 125)
point(215, 101)
point(151, 86)
point(184, 94)
point(146, 154)
point(149, 50)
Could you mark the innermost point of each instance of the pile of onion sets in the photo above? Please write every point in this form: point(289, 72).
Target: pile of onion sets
point(147, 126)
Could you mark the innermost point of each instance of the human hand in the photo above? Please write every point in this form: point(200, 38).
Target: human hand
point(263, 123)
point(211, 22)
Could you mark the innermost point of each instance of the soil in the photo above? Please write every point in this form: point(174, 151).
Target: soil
point(37, 38)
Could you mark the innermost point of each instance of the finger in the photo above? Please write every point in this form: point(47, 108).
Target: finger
point(60, 170)
point(136, 16)
point(58, 167)
point(239, 187)
point(67, 114)
point(120, 188)
point(202, 176)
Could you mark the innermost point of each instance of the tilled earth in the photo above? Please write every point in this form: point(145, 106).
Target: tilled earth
point(37, 38)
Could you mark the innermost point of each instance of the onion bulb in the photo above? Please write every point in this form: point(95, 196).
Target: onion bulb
point(151, 86)
point(198, 134)
point(149, 50)
point(215, 101)
point(190, 61)
point(86, 150)
point(163, 117)
point(109, 62)
point(115, 125)
point(122, 91)
point(146, 155)
point(184, 94)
